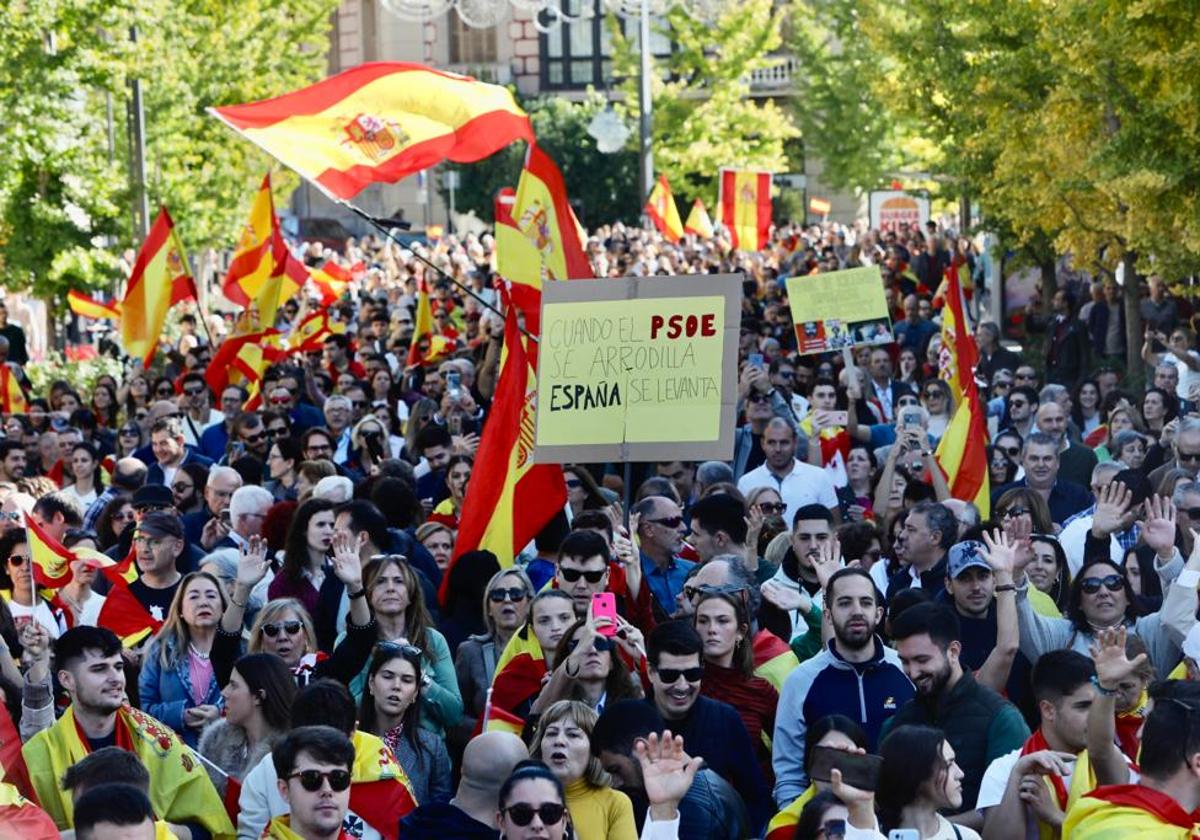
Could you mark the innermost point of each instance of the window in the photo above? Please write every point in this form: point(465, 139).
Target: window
point(469, 45)
point(577, 54)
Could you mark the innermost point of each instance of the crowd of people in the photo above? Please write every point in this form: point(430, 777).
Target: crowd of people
point(811, 639)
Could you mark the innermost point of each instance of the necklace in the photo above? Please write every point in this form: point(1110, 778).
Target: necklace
point(196, 653)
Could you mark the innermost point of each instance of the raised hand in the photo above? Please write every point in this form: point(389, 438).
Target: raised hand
point(1001, 554)
point(667, 772)
point(630, 639)
point(346, 565)
point(1045, 763)
point(785, 598)
point(1158, 528)
point(253, 563)
point(1112, 503)
point(828, 560)
point(1108, 653)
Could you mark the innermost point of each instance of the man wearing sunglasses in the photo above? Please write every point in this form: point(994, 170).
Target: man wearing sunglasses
point(312, 766)
point(1040, 459)
point(197, 404)
point(661, 530)
point(1186, 450)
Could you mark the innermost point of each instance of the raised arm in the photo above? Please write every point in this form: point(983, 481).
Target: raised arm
point(1001, 555)
point(252, 567)
point(1108, 652)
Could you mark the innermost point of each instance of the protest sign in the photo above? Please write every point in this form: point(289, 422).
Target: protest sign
point(892, 208)
point(638, 369)
point(839, 309)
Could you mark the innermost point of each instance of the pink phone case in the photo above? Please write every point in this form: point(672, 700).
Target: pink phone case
point(604, 605)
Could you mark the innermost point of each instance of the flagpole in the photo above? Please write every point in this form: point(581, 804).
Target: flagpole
point(386, 231)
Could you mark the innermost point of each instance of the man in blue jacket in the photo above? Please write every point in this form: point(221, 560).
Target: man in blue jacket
point(856, 676)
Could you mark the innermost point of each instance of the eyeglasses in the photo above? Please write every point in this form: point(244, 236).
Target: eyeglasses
point(130, 432)
point(289, 627)
point(668, 521)
point(17, 560)
point(600, 645)
point(255, 438)
point(572, 575)
point(758, 398)
point(522, 814)
point(1013, 513)
point(574, 483)
point(182, 488)
point(1113, 583)
point(772, 508)
point(193, 392)
point(672, 675)
point(1180, 455)
point(500, 595)
point(932, 393)
point(312, 780)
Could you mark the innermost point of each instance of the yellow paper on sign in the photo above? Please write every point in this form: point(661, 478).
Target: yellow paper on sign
point(839, 309)
point(641, 370)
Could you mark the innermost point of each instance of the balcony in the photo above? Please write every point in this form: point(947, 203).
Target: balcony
point(776, 77)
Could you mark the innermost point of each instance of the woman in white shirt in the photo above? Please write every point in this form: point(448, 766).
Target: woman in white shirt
point(85, 466)
point(77, 596)
point(17, 577)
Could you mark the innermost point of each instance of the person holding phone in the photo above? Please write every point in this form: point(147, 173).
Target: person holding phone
point(591, 666)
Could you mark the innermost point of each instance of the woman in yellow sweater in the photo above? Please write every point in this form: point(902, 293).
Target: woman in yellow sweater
point(563, 742)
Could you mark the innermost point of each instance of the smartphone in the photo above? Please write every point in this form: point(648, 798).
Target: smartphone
point(910, 420)
point(454, 384)
point(604, 605)
point(904, 834)
point(224, 516)
point(838, 418)
point(756, 360)
point(858, 770)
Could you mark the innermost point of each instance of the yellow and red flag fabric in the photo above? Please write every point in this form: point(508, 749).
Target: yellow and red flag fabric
point(773, 658)
point(160, 279)
point(1116, 812)
point(51, 560)
point(661, 209)
point(698, 222)
point(820, 206)
point(783, 825)
point(121, 611)
point(180, 790)
point(518, 261)
point(519, 672)
point(962, 451)
point(12, 395)
point(746, 207)
point(511, 498)
point(379, 122)
point(331, 279)
point(21, 818)
point(427, 346)
point(87, 306)
point(263, 270)
point(543, 216)
point(958, 356)
point(380, 791)
point(12, 763)
point(310, 334)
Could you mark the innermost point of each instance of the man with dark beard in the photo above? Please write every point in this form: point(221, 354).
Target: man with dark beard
point(980, 725)
point(855, 675)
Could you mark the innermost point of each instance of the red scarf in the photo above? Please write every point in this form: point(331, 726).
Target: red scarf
point(1127, 726)
point(1036, 743)
point(1145, 799)
point(124, 739)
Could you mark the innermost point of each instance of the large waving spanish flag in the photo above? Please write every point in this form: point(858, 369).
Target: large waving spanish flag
point(544, 217)
point(1118, 812)
point(746, 207)
point(661, 209)
point(263, 270)
point(160, 279)
point(962, 451)
point(510, 498)
point(698, 222)
point(88, 307)
point(380, 122)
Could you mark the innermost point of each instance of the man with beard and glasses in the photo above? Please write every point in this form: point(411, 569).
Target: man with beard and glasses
point(856, 675)
point(980, 725)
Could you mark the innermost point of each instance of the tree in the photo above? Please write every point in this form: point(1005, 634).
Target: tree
point(602, 187)
point(704, 118)
point(64, 191)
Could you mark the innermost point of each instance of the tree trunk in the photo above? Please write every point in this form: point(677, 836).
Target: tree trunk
point(1133, 319)
point(1048, 266)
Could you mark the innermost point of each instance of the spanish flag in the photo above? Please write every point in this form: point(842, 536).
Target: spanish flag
point(310, 334)
point(88, 307)
point(180, 789)
point(121, 611)
point(379, 122)
point(21, 818)
point(1118, 812)
point(698, 222)
point(519, 672)
point(962, 451)
point(331, 279)
point(160, 279)
point(510, 498)
point(773, 658)
point(12, 395)
point(959, 355)
point(263, 269)
point(427, 346)
point(518, 261)
point(380, 791)
point(783, 825)
point(661, 209)
point(51, 560)
point(543, 216)
point(746, 208)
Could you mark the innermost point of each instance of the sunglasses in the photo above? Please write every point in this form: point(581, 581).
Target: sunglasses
point(397, 647)
point(1187, 456)
point(12, 516)
point(500, 595)
point(193, 392)
point(280, 400)
point(758, 398)
point(932, 394)
point(1017, 404)
point(1113, 583)
point(772, 508)
point(522, 814)
point(572, 575)
point(670, 521)
point(164, 391)
point(1010, 451)
point(289, 627)
point(670, 676)
point(257, 438)
point(17, 560)
point(312, 780)
point(131, 432)
point(574, 483)
point(1192, 513)
point(600, 645)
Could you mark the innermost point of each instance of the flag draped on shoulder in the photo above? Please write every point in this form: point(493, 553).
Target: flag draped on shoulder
point(962, 451)
point(379, 122)
point(12, 395)
point(661, 209)
point(510, 498)
point(87, 306)
point(160, 279)
point(263, 270)
point(746, 207)
point(698, 222)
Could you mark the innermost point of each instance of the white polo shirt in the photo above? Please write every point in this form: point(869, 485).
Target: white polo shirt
point(804, 485)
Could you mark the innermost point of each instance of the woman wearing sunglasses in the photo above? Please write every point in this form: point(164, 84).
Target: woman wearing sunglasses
point(129, 439)
point(532, 804)
point(391, 709)
point(17, 577)
point(258, 707)
point(116, 516)
point(505, 609)
point(589, 668)
point(563, 742)
point(938, 401)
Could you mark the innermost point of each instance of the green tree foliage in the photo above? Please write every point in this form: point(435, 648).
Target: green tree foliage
point(704, 118)
point(64, 205)
point(602, 187)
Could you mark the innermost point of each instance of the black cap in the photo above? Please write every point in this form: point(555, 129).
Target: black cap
point(153, 495)
point(161, 523)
